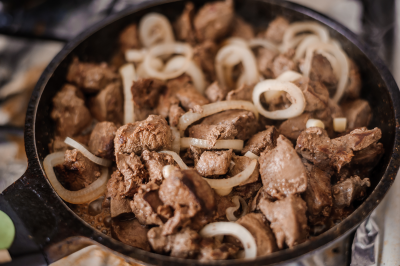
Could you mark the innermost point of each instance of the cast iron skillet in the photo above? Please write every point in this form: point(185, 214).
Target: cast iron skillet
point(56, 231)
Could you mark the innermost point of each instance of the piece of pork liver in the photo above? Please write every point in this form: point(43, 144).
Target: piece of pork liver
point(90, 77)
point(211, 249)
point(203, 55)
point(245, 122)
point(281, 64)
point(107, 105)
point(358, 113)
point(175, 112)
point(243, 93)
point(213, 163)
point(349, 190)
point(292, 127)
point(214, 20)
point(263, 141)
point(276, 29)
point(265, 58)
point(369, 156)
point(282, 171)
point(353, 88)
point(247, 191)
point(154, 163)
point(146, 91)
point(240, 164)
point(183, 26)
point(69, 111)
point(212, 133)
point(119, 206)
point(128, 38)
point(101, 142)
point(288, 220)
point(315, 94)
point(133, 171)
point(153, 134)
point(242, 29)
point(321, 70)
point(130, 232)
point(215, 92)
point(222, 203)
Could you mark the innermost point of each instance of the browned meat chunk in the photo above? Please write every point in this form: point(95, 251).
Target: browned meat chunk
point(146, 92)
point(119, 206)
point(336, 110)
point(241, 163)
point(358, 113)
point(292, 127)
point(214, 20)
point(128, 39)
point(244, 121)
point(101, 142)
point(145, 204)
point(242, 29)
point(315, 145)
point(212, 133)
point(276, 29)
point(188, 193)
point(107, 104)
point(211, 249)
point(216, 92)
point(318, 195)
point(89, 76)
point(131, 232)
point(265, 240)
point(184, 244)
point(244, 93)
point(152, 134)
point(69, 111)
point(175, 112)
point(288, 220)
point(133, 171)
point(369, 156)
point(265, 59)
point(262, 141)
point(154, 163)
point(222, 203)
point(183, 25)
point(247, 191)
point(281, 64)
point(321, 70)
point(203, 56)
point(315, 94)
point(116, 185)
point(282, 171)
point(213, 163)
point(349, 190)
point(353, 88)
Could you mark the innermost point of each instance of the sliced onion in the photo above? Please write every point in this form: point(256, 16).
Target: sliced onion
point(232, 164)
point(302, 47)
point(213, 108)
point(128, 75)
point(251, 155)
point(332, 60)
point(285, 76)
point(156, 63)
point(306, 26)
point(284, 47)
point(264, 43)
point(167, 49)
point(297, 98)
point(246, 58)
point(86, 153)
point(315, 123)
point(236, 41)
point(235, 144)
point(233, 229)
point(167, 170)
point(340, 124)
point(192, 70)
point(155, 28)
point(341, 59)
point(237, 200)
point(135, 55)
point(177, 159)
point(235, 180)
point(91, 192)
point(176, 144)
point(234, 59)
point(223, 191)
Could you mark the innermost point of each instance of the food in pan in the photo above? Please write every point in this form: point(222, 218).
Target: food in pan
point(214, 139)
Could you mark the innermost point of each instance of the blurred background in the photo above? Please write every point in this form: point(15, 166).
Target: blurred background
point(33, 31)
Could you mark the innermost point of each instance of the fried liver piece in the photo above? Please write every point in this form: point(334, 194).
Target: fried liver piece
point(133, 171)
point(282, 171)
point(212, 133)
point(107, 105)
point(240, 164)
point(101, 142)
point(128, 38)
point(146, 92)
point(358, 113)
point(349, 190)
point(292, 127)
point(154, 163)
point(276, 29)
point(183, 26)
point(119, 206)
point(152, 134)
point(288, 219)
point(213, 163)
point(130, 232)
point(216, 92)
point(145, 204)
point(211, 249)
point(315, 94)
point(263, 141)
point(322, 71)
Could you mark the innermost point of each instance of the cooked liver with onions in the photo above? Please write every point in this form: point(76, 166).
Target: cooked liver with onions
point(241, 129)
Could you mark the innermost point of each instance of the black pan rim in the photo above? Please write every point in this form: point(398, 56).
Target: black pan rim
point(335, 233)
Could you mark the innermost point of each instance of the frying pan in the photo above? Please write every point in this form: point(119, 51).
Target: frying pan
point(47, 227)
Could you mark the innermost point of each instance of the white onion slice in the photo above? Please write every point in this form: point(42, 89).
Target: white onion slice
point(332, 60)
point(167, 49)
point(264, 43)
point(233, 229)
point(297, 96)
point(223, 191)
point(285, 76)
point(251, 155)
point(87, 153)
point(234, 59)
point(339, 124)
point(155, 28)
point(236, 41)
point(176, 144)
point(315, 123)
point(235, 180)
point(192, 70)
point(167, 170)
point(303, 45)
point(89, 193)
point(209, 109)
point(341, 59)
point(156, 63)
point(135, 55)
point(246, 58)
point(177, 159)
point(306, 26)
point(285, 47)
point(235, 144)
point(128, 75)
point(237, 200)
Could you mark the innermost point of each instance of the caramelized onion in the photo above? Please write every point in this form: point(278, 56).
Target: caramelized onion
point(155, 28)
point(128, 75)
point(177, 159)
point(235, 144)
point(230, 212)
point(91, 192)
point(233, 229)
point(86, 153)
point(213, 108)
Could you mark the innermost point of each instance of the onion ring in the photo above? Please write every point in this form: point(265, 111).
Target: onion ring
point(87, 153)
point(177, 159)
point(223, 191)
point(285, 76)
point(128, 75)
point(135, 55)
point(298, 27)
point(235, 144)
point(251, 155)
point(176, 144)
point(89, 193)
point(155, 28)
point(237, 200)
point(188, 118)
point(156, 63)
point(302, 47)
point(284, 47)
point(264, 43)
point(298, 104)
point(236, 230)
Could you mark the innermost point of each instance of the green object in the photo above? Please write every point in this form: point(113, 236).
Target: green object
point(7, 231)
